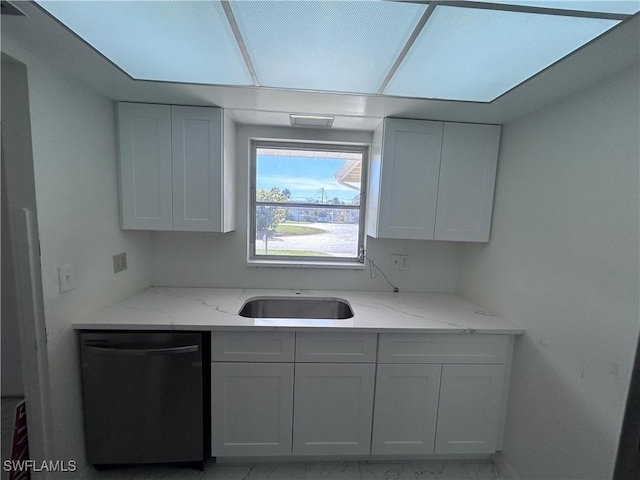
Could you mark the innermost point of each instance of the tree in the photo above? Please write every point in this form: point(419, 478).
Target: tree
point(267, 217)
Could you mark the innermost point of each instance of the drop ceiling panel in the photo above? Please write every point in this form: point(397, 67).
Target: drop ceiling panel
point(341, 46)
point(628, 7)
point(467, 54)
point(189, 42)
point(477, 55)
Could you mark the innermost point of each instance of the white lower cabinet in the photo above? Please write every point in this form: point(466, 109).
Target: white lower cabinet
point(333, 409)
point(470, 408)
point(434, 393)
point(406, 409)
point(252, 405)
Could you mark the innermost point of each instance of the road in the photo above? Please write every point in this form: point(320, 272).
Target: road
point(338, 240)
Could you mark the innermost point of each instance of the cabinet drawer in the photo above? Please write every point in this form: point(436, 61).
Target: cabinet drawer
point(252, 346)
point(442, 348)
point(336, 347)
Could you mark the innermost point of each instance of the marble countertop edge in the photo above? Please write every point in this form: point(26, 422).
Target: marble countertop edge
point(211, 309)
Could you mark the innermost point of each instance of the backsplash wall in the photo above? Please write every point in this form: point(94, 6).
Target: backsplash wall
point(183, 259)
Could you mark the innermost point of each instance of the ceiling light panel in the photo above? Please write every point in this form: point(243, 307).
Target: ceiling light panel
point(340, 46)
point(477, 55)
point(188, 42)
point(603, 6)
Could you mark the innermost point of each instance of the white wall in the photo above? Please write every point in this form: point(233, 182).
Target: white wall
point(563, 261)
point(219, 260)
point(74, 156)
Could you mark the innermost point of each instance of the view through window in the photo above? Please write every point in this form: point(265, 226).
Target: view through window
point(307, 202)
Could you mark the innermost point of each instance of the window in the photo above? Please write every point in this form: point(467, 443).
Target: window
point(307, 202)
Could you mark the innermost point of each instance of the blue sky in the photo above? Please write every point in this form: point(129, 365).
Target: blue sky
point(304, 177)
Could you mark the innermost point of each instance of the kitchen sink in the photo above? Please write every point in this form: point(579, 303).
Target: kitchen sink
point(296, 307)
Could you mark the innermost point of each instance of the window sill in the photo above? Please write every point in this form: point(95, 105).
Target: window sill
point(302, 264)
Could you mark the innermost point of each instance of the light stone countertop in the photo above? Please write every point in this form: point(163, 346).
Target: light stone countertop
point(160, 308)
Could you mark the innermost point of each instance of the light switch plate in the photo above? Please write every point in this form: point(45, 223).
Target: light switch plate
point(119, 262)
point(67, 276)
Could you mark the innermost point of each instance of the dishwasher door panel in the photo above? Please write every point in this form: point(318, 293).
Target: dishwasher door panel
point(143, 397)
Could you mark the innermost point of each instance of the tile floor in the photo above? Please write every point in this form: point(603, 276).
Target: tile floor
point(415, 470)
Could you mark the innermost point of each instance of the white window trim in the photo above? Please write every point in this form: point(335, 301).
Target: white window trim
point(306, 262)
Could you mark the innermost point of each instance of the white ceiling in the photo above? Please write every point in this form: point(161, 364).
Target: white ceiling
point(44, 37)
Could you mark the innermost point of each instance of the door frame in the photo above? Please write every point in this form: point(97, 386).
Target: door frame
point(17, 156)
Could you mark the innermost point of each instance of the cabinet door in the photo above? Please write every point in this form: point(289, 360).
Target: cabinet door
point(333, 409)
point(406, 408)
point(409, 180)
point(252, 407)
point(144, 144)
point(197, 168)
point(470, 408)
point(467, 180)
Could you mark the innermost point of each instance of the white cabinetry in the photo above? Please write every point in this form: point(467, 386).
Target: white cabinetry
point(469, 416)
point(432, 180)
point(277, 393)
point(252, 406)
point(406, 167)
point(333, 409)
point(443, 348)
point(144, 142)
point(251, 393)
point(470, 395)
point(467, 180)
point(176, 169)
point(406, 409)
point(320, 347)
point(253, 346)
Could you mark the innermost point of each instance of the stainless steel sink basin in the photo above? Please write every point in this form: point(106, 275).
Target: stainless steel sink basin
point(296, 307)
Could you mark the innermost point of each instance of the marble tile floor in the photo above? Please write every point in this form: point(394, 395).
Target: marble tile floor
point(414, 470)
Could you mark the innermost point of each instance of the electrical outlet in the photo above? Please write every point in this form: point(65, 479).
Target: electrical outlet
point(67, 276)
point(401, 262)
point(119, 262)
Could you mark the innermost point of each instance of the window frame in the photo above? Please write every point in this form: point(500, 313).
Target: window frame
point(356, 262)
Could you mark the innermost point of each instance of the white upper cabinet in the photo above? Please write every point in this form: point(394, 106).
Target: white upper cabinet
point(432, 180)
point(196, 148)
point(404, 179)
point(467, 180)
point(145, 166)
point(176, 170)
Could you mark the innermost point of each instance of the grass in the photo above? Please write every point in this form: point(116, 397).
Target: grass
point(293, 230)
point(295, 253)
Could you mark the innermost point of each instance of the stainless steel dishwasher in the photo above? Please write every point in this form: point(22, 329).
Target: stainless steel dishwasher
point(143, 397)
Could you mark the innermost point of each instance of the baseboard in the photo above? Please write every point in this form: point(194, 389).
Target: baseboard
point(505, 468)
point(352, 458)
